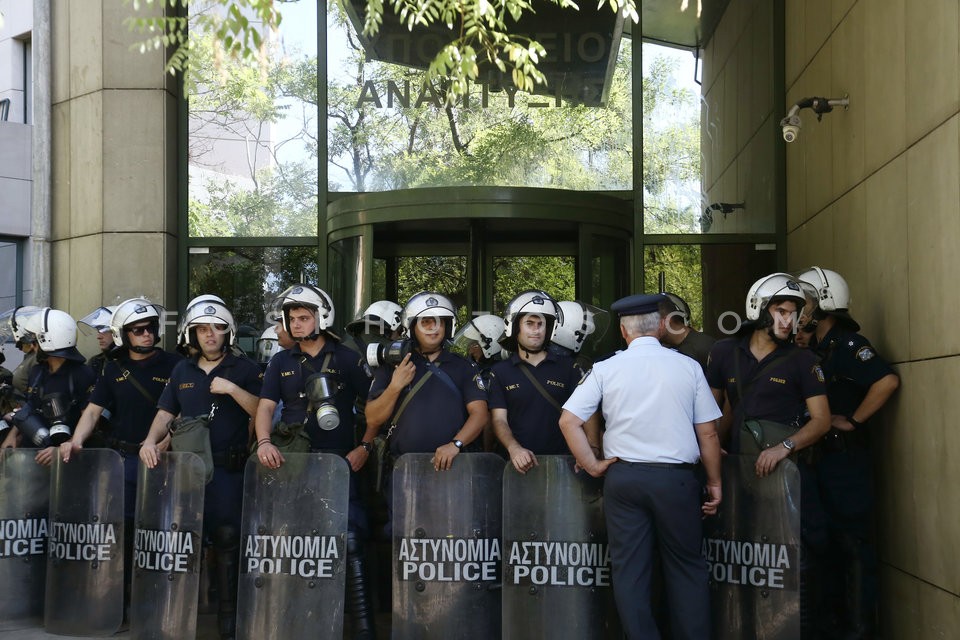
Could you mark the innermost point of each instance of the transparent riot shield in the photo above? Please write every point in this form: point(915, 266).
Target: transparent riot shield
point(84, 594)
point(753, 550)
point(24, 497)
point(293, 548)
point(447, 547)
point(556, 581)
point(167, 548)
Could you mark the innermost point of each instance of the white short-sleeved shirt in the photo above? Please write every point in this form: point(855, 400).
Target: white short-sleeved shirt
point(651, 397)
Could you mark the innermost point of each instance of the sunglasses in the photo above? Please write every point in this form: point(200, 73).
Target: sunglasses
point(139, 331)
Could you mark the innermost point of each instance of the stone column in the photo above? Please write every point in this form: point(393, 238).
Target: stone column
point(113, 230)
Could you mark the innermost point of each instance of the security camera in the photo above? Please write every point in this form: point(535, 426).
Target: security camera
point(791, 127)
point(791, 123)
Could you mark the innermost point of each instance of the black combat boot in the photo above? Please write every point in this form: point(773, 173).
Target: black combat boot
point(227, 545)
point(358, 598)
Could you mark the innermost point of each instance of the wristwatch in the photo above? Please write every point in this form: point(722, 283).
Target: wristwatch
point(457, 443)
point(367, 446)
point(789, 445)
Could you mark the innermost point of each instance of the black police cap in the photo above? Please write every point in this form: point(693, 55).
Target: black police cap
point(639, 304)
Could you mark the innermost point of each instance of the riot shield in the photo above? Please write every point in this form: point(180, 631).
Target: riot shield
point(446, 547)
point(24, 497)
point(167, 548)
point(753, 550)
point(293, 548)
point(84, 594)
point(556, 581)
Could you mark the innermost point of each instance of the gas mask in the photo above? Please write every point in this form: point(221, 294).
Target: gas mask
point(32, 426)
point(55, 407)
point(321, 389)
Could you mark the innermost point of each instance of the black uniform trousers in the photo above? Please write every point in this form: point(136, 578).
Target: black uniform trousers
point(657, 508)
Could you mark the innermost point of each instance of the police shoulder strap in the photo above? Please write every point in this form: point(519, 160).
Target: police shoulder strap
point(323, 367)
point(406, 400)
point(445, 378)
point(539, 387)
point(129, 377)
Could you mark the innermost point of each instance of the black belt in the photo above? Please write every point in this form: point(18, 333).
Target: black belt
point(664, 465)
point(123, 447)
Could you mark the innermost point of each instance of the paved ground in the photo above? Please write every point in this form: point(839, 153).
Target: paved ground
point(206, 630)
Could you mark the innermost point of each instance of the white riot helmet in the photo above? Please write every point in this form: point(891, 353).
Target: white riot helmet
point(485, 331)
point(832, 294)
point(576, 323)
point(56, 333)
point(136, 310)
point(13, 324)
point(776, 286)
point(267, 345)
point(182, 322)
point(430, 304)
point(532, 301)
point(382, 317)
point(207, 311)
point(97, 321)
point(308, 297)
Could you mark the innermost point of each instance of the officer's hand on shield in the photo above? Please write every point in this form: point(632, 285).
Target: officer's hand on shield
point(68, 448)
point(403, 374)
point(357, 458)
point(523, 459)
point(269, 456)
point(444, 455)
point(768, 460)
point(149, 454)
point(45, 456)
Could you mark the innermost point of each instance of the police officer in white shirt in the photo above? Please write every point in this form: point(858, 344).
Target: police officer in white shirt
point(660, 417)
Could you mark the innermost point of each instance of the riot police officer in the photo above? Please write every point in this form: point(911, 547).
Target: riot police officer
point(578, 323)
point(528, 390)
point(766, 377)
point(215, 383)
point(98, 321)
point(15, 321)
point(859, 383)
point(480, 340)
point(681, 335)
point(379, 322)
point(58, 385)
point(433, 400)
point(319, 381)
point(130, 385)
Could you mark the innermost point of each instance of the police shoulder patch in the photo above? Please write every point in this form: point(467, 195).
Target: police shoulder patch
point(865, 353)
point(817, 371)
point(585, 376)
point(480, 384)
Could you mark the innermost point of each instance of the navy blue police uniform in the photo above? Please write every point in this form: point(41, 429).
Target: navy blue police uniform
point(851, 366)
point(532, 418)
point(438, 410)
point(284, 381)
point(779, 395)
point(73, 379)
point(651, 397)
point(188, 395)
point(132, 412)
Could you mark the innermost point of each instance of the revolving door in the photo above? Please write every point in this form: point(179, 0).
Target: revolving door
point(480, 246)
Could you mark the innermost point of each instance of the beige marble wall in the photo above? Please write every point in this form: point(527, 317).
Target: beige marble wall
point(114, 123)
point(874, 192)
